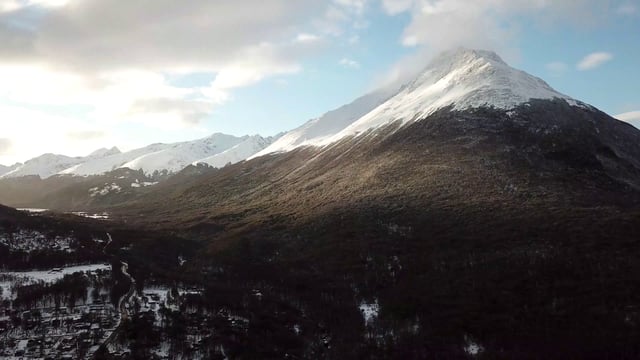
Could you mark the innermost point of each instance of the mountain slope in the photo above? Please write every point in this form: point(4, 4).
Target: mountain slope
point(241, 151)
point(175, 157)
point(463, 78)
point(510, 224)
point(44, 166)
point(164, 159)
point(6, 169)
point(329, 124)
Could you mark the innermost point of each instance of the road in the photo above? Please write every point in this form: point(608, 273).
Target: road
point(124, 299)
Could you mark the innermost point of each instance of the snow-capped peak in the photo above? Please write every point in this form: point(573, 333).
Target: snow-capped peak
point(461, 78)
point(44, 166)
point(151, 159)
point(249, 146)
point(104, 152)
point(464, 79)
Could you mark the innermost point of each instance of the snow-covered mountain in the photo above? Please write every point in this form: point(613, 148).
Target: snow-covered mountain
point(331, 123)
point(44, 166)
point(110, 162)
point(461, 78)
point(6, 169)
point(243, 150)
point(160, 158)
point(175, 157)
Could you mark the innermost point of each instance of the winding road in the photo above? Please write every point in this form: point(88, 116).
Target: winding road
point(124, 299)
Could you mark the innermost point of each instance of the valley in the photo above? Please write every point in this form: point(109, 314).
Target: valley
point(474, 212)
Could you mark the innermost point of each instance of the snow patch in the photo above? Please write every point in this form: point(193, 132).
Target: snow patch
point(369, 311)
point(472, 348)
point(105, 190)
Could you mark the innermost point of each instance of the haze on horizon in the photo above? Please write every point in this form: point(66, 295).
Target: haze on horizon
point(76, 75)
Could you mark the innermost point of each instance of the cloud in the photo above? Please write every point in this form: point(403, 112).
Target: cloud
point(115, 57)
point(491, 24)
point(5, 145)
point(37, 132)
point(343, 17)
point(307, 38)
point(103, 65)
point(85, 135)
point(629, 116)
point(190, 112)
point(349, 63)
point(594, 60)
point(632, 118)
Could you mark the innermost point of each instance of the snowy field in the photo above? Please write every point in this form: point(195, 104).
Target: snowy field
point(101, 216)
point(32, 210)
point(48, 276)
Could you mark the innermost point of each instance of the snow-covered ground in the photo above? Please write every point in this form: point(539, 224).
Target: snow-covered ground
point(100, 216)
point(47, 276)
point(32, 210)
point(370, 311)
point(471, 347)
point(105, 190)
point(138, 184)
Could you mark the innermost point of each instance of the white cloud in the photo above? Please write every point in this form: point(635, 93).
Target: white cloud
point(37, 132)
point(349, 63)
point(5, 145)
point(307, 38)
point(632, 118)
point(85, 135)
point(594, 60)
point(491, 24)
point(115, 62)
point(440, 25)
point(629, 116)
point(343, 17)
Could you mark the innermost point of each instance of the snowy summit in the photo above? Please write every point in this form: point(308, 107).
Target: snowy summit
point(461, 78)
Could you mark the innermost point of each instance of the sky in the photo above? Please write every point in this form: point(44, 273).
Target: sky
point(78, 75)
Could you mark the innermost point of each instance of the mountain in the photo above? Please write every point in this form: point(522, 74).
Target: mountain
point(6, 169)
point(475, 207)
point(44, 166)
point(249, 146)
point(316, 130)
point(104, 152)
point(175, 157)
point(153, 159)
point(108, 177)
point(463, 78)
point(632, 118)
point(111, 161)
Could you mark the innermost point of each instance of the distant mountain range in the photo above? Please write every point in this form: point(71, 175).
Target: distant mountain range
point(216, 150)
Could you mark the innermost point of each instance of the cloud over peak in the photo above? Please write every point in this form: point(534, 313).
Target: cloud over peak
point(594, 60)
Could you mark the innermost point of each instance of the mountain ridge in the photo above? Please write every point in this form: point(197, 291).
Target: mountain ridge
point(154, 158)
point(465, 78)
